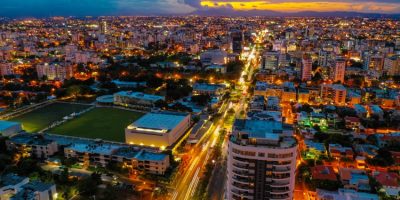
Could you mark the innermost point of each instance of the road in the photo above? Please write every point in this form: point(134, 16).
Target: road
point(185, 185)
point(188, 182)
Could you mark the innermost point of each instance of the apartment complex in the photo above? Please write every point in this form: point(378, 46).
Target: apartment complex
point(333, 93)
point(261, 161)
point(90, 152)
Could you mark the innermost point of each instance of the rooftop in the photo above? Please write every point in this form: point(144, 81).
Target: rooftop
point(162, 122)
point(7, 124)
point(207, 86)
point(321, 172)
point(140, 95)
point(261, 133)
point(10, 179)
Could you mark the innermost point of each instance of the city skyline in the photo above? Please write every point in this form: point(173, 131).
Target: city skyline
point(46, 8)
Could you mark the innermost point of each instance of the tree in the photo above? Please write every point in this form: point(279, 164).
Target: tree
point(202, 99)
point(161, 104)
point(384, 158)
point(74, 91)
point(88, 185)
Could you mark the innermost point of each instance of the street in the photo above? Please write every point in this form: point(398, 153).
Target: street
point(186, 185)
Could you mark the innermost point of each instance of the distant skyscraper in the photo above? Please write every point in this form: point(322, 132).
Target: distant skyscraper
point(237, 41)
point(306, 68)
point(103, 27)
point(339, 70)
point(261, 161)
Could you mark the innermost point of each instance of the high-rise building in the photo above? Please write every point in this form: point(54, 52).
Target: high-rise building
point(54, 71)
point(392, 65)
point(334, 93)
point(323, 58)
point(270, 60)
point(306, 68)
point(261, 161)
point(339, 70)
point(237, 41)
point(103, 27)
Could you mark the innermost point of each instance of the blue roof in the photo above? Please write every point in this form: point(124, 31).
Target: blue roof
point(10, 179)
point(145, 155)
point(7, 124)
point(159, 121)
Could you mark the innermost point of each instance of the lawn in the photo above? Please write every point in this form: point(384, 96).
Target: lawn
point(41, 118)
point(103, 123)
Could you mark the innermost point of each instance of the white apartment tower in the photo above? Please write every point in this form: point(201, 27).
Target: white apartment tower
point(261, 161)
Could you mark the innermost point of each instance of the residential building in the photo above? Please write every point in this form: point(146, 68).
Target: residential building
point(306, 68)
point(32, 144)
point(210, 89)
point(261, 161)
point(333, 93)
point(8, 128)
point(339, 70)
point(354, 179)
point(392, 65)
point(91, 152)
point(344, 194)
point(321, 172)
point(270, 60)
point(338, 152)
point(54, 71)
point(14, 187)
point(390, 182)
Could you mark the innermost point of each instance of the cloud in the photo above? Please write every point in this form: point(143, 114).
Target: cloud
point(292, 6)
point(46, 8)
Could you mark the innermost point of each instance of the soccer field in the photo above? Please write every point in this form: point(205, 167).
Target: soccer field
point(41, 118)
point(103, 123)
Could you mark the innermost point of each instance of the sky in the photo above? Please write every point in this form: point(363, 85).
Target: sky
point(46, 8)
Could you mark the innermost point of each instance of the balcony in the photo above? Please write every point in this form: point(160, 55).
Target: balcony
point(242, 194)
point(281, 169)
point(244, 166)
point(244, 172)
point(242, 186)
point(246, 180)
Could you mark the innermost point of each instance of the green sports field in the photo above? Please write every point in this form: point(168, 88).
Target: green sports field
point(103, 123)
point(41, 118)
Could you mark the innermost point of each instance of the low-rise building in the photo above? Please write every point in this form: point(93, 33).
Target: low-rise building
point(314, 149)
point(352, 123)
point(339, 152)
point(91, 152)
point(390, 182)
point(344, 194)
point(161, 129)
point(321, 172)
point(354, 179)
point(32, 144)
point(210, 89)
point(375, 110)
point(14, 187)
point(360, 110)
point(334, 93)
point(8, 128)
point(137, 100)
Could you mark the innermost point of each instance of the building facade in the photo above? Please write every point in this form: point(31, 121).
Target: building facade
point(261, 161)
